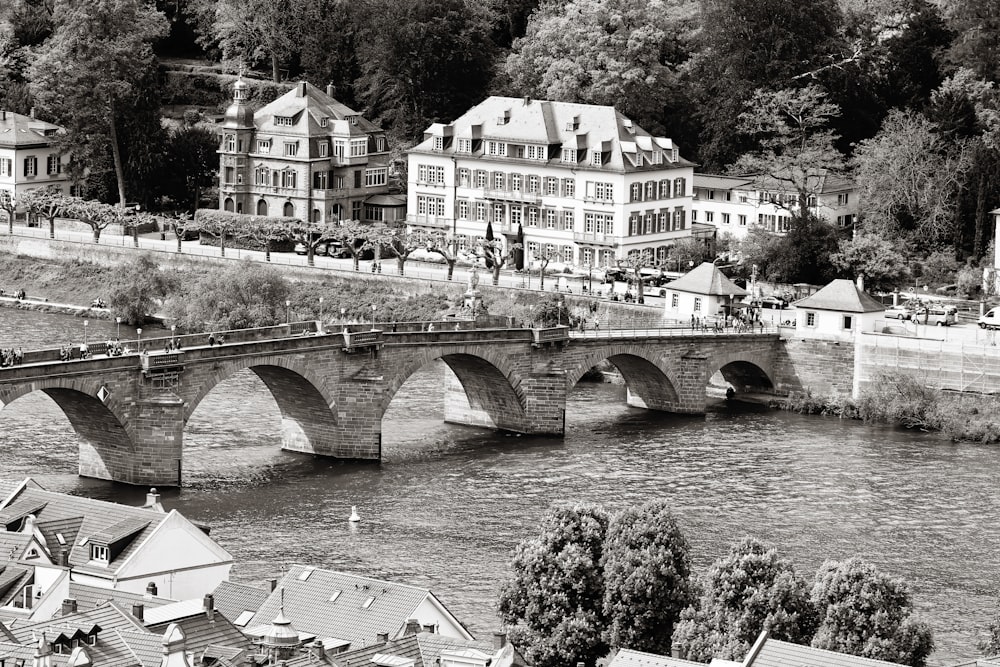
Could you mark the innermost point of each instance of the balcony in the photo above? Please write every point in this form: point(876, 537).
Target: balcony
point(519, 196)
point(608, 240)
point(330, 195)
point(432, 221)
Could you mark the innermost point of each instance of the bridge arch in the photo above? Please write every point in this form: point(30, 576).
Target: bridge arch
point(107, 450)
point(646, 375)
point(489, 381)
point(746, 371)
point(308, 418)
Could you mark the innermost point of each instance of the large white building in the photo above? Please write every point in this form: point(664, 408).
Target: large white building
point(585, 183)
point(736, 204)
point(28, 157)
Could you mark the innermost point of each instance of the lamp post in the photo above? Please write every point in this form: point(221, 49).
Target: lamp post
point(85, 323)
point(288, 306)
point(343, 318)
point(559, 306)
point(138, 341)
point(173, 335)
point(118, 328)
point(321, 310)
point(374, 308)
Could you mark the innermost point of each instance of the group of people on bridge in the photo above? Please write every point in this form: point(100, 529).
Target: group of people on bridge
point(11, 357)
point(20, 294)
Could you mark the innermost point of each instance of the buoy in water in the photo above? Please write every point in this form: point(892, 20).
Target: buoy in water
point(354, 514)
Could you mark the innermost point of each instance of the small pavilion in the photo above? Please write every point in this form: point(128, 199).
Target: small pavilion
point(702, 292)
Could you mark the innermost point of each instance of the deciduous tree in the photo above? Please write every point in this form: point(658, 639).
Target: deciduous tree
point(249, 31)
point(135, 289)
point(244, 295)
point(88, 75)
point(867, 613)
point(749, 590)
point(553, 600)
point(354, 237)
point(872, 258)
point(647, 569)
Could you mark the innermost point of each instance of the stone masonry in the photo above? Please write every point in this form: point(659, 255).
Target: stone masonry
point(332, 400)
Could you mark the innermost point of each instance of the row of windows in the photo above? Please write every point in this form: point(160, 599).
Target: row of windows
point(656, 223)
point(53, 166)
point(431, 174)
point(356, 147)
point(428, 205)
point(285, 178)
point(651, 190)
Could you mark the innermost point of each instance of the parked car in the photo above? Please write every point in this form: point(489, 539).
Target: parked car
point(991, 320)
point(936, 315)
point(320, 249)
point(773, 302)
point(898, 313)
point(301, 249)
point(615, 275)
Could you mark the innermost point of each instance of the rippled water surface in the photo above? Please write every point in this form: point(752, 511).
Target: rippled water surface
point(448, 503)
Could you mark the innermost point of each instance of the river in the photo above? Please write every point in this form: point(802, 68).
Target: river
point(449, 503)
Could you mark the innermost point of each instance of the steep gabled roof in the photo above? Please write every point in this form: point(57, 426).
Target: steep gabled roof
point(200, 629)
point(706, 279)
point(18, 131)
point(775, 653)
point(346, 606)
point(89, 597)
point(719, 182)
point(841, 295)
point(422, 648)
point(307, 105)
point(13, 545)
point(234, 600)
point(93, 519)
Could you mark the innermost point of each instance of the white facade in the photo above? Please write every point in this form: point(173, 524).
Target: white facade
point(28, 159)
point(586, 185)
point(736, 204)
point(833, 324)
point(682, 306)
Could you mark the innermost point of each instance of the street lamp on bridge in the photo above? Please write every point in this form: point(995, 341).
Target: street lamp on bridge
point(118, 328)
point(288, 307)
point(138, 341)
point(85, 323)
point(374, 308)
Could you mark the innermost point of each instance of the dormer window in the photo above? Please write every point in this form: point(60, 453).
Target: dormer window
point(353, 119)
point(380, 144)
point(657, 157)
point(324, 121)
point(465, 145)
point(497, 148)
point(439, 143)
point(286, 121)
point(503, 118)
point(569, 155)
point(595, 158)
point(100, 552)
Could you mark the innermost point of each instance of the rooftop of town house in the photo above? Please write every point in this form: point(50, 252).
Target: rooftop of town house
point(720, 182)
point(356, 609)
point(202, 626)
point(624, 146)
point(423, 649)
point(841, 295)
point(767, 652)
point(819, 181)
point(239, 602)
point(88, 597)
point(707, 279)
point(76, 523)
point(308, 106)
point(12, 577)
point(17, 131)
point(629, 658)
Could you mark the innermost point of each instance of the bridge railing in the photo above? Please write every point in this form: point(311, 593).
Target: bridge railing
point(619, 329)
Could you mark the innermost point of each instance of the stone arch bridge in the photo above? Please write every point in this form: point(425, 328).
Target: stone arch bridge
point(332, 389)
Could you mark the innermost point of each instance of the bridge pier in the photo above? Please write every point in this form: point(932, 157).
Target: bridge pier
point(544, 414)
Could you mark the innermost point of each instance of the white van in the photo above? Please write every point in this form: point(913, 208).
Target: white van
point(991, 320)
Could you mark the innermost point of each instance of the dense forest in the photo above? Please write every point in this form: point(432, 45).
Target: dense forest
point(901, 93)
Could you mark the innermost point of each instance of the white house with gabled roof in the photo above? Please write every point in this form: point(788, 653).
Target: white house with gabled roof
point(702, 292)
point(99, 543)
point(585, 183)
point(837, 312)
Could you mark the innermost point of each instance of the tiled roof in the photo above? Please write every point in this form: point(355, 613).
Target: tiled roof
point(423, 648)
point(232, 599)
point(5, 634)
point(200, 631)
point(111, 649)
point(13, 545)
point(316, 104)
point(775, 653)
point(706, 279)
point(88, 597)
point(629, 658)
point(20, 508)
point(68, 528)
point(12, 577)
point(98, 517)
point(308, 605)
point(718, 182)
point(841, 295)
point(121, 530)
point(8, 486)
point(586, 127)
point(147, 647)
point(17, 130)
point(819, 182)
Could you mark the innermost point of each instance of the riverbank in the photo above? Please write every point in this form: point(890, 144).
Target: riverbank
point(901, 400)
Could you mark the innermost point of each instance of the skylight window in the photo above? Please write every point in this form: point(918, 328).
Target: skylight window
point(333, 598)
point(304, 574)
point(243, 618)
point(367, 603)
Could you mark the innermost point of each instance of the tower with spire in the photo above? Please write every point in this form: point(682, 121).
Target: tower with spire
point(237, 135)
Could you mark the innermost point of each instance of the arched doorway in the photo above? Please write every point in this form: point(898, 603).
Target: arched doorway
point(289, 210)
point(261, 207)
point(228, 205)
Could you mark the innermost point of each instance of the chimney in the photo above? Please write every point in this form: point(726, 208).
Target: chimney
point(151, 588)
point(412, 627)
point(331, 89)
point(31, 113)
point(138, 610)
point(429, 627)
point(302, 89)
point(675, 651)
point(382, 637)
point(527, 100)
point(43, 653)
point(499, 640)
point(152, 498)
point(209, 607)
point(861, 282)
point(62, 558)
point(272, 584)
point(316, 649)
point(3, 115)
point(68, 606)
